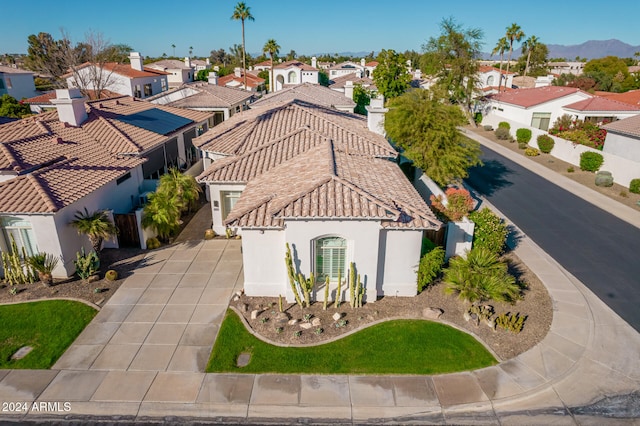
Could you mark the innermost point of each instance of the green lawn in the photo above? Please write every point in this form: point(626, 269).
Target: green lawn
point(394, 347)
point(48, 326)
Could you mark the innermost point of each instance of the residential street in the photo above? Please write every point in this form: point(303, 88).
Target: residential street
point(596, 247)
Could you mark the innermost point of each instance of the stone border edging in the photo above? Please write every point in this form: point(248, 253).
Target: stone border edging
point(43, 299)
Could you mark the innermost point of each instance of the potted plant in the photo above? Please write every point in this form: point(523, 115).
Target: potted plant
point(44, 264)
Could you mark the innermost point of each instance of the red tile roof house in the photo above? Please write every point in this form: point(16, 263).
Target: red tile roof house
point(489, 79)
point(94, 155)
point(300, 173)
point(236, 81)
point(129, 80)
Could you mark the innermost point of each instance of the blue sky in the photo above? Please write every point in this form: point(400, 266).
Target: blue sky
point(308, 27)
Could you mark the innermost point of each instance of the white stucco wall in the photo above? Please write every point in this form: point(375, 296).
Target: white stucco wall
point(124, 85)
point(216, 205)
point(263, 254)
point(18, 85)
point(399, 254)
point(622, 146)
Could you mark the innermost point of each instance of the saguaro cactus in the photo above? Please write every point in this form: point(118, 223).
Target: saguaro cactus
point(326, 293)
point(339, 290)
point(292, 275)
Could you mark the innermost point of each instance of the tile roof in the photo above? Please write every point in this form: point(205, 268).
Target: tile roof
point(295, 64)
point(46, 97)
point(169, 64)
point(205, 95)
point(341, 81)
point(598, 103)
point(253, 81)
point(250, 129)
point(628, 126)
point(347, 65)
point(371, 64)
point(10, 70)
point(125, 70)
point(631, 97)
point(326, 182)
point(488, 68)
point(530, 97)
point(310, 92)
point(57, 164)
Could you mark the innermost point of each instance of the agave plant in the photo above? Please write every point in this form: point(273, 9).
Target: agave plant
point(44, 264)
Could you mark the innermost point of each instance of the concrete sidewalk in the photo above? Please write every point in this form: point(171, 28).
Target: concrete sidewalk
point(585, 371)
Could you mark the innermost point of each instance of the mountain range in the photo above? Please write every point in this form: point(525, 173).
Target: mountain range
point(591, 49)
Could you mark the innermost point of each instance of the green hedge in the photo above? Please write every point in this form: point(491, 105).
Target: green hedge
point(523, 135)
point(591, 161)
point(634, 186)
point(504, 125)
point(545, 143)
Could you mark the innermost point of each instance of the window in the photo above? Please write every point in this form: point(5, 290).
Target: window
point(228, 199)
point(9, 85)
point(137, 91)
point(163, 83)
point(292, 77)
point(21, 232)
point(330, 258)
point(490, 80)
point(147, 90)
point(540, 120)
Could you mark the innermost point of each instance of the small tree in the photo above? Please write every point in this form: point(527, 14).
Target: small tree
point(96, 225)
point(162, 214)
point(184, 187)
point(490, 231)
point(391, 76)
point(362, 98)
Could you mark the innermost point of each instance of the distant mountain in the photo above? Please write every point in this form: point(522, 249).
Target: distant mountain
point(591, 49)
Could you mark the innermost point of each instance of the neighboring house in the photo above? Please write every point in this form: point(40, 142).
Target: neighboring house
point(16, 83)
point(623, 138)
point(178, 72)
point(341, 84)
point(294, 72)
point(538, 107)
point(236, 81)
point(95, 155)
point(321, 181)
point(262, 66)
point(201, 65)
point(348, 67)
point(129, 80)
point(598, 110)
point(490, 78)
point(574, 68)
point(222, 101)
point(43, 102)
point(308, 92)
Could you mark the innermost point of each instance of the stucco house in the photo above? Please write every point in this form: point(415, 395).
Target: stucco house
point(321, 181)
point(236, 81)
point(129, 80)
point(489, 78)
point(96, 155)
point(16, 82)
point(598, 110)
point(178, 72)
point(312, 93)
point(222, 101)
point(344, 84)
point(294, 72)
point(623, 138)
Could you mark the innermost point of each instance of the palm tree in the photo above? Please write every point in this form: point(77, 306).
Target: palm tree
point(190, 50)
point(481, 276)
point(185, 188)
point(272, 48)
point(174, 50)
point(529, 45)
point(514, 33)
point(97, 226)
point(242, 13)
point(501, 47)
point(162, 214)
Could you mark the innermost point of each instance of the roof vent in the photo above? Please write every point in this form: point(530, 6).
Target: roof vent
point(117, 102)
point(100, 105)
point(59, 139)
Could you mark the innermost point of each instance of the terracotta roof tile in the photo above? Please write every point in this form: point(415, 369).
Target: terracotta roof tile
point(341, 81)
point(205, 95)
point(489, 68)
point(631, 97)
point(598, 103)
point(253, 81)
point(530, 97)
point(310, 92)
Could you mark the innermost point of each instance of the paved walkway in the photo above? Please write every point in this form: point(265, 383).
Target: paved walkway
point(144, 355)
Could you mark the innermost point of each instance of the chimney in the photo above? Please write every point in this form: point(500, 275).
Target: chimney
point(213, 78)
point(187, 62)
point(70, 106)
point(375, 115)
point(348, 89)
point(359, 73)
point(207, 61)
point(314, 62)
point(237, 71)
point(362, 63)
point(136, 61)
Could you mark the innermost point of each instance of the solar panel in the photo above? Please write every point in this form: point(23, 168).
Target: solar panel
point(156, 120)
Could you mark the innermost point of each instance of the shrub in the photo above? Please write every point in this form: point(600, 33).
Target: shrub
point(511, 322)
point(490, 231)
point(479, 277)
point(153, 243)
point(634, 186)
point(562, 123)
point(487, 128)
point(478, 118)
point(531, 152)
point(459, 203)
point(86, 264)
point(591, 161)
point(570, 169)
point(430, 267)
point(504, 125)
point(44, 264)
point(111, 275)
point(523, 135)
point(545, 143)
point(503, 134)
point(523, 145)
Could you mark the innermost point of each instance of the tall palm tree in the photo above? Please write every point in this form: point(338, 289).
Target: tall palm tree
point(514, 33)
point(272, 48)
point(529, 45)
point(190, 51)
point(501, 47)
point(174, 50)
point(97, 226)
point(243, 13)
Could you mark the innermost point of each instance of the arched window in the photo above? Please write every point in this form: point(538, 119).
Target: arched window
point(292, 77)
point(331, 258)
point(490, 80)
point(22, 233)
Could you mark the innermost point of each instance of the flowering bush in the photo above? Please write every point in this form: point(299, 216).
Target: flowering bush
point(459, 203)
point(579, 132)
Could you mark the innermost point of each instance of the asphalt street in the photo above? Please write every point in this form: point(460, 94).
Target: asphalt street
point(599, 249)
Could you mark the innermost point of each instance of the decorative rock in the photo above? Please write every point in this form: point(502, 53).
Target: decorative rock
point(93, 278)
point(22, 352)
point(100, 302)
point(305, 325)
point(316, 322)
point(336, 316)
point(254, 314)
point(244, 307)
point(281, 317)
point(243, 359)
point(432, 313)
point(293, 322)
point(604, 178)
point(238, 293)
point(466, 316)
point(235, 298)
